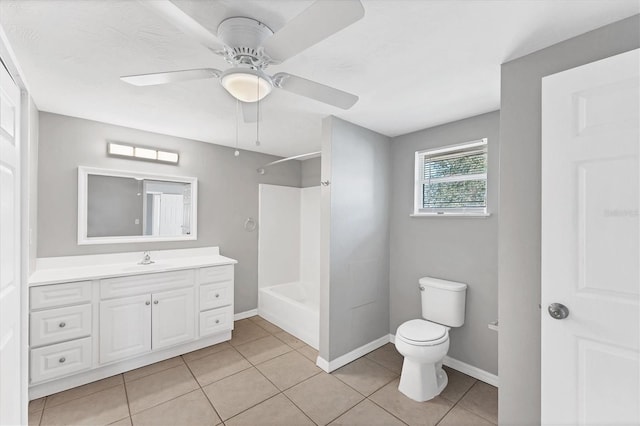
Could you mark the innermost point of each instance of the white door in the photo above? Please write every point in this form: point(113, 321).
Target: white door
point(590, 255)
point(171, 212)
point(125, 327)
point(173, 318)
point(11, 382)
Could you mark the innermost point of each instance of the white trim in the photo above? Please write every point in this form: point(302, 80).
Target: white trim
point(246, 314)
point(83, 239)
point(445, 214)
point(455, 147)
point(419, 180)
point(463, 367)
point(470, 370)
point(345, 359)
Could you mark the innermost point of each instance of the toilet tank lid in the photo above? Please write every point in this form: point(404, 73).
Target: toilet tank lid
point(442, 284)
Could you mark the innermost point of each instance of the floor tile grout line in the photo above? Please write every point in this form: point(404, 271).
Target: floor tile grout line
point(384, 409)
point(380, 364)
point(456, 403)
point(299, 408)
point(126, 395)
point(203, 392)
point(366, 396)
point(472, 411)
point(286, 396)
point(152, 374)
point(84, 395)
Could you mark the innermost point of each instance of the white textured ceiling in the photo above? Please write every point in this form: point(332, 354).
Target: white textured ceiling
point(414, 64)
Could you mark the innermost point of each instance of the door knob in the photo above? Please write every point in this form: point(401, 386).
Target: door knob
point(558, 311)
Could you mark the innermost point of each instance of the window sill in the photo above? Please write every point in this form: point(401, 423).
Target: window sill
point(469, 215)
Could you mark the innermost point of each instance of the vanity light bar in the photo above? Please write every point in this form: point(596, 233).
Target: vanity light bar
point(137, 152)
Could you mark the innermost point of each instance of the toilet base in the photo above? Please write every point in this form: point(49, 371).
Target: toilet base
point(422, 382)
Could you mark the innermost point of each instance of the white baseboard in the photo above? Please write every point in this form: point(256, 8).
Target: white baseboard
point(470, 370)
point(345, 359)
point(463, 367)
point(246, 314)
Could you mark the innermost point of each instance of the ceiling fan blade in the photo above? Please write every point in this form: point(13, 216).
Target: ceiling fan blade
point(311, 89)
point(320, 20)
point(171, 76)
point(250, 111)
point(185, 23)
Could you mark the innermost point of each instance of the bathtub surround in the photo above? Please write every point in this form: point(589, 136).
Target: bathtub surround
point(452, 248)
point(228, 191)
point(289, 259)
point(519, 230)
point(354, 258)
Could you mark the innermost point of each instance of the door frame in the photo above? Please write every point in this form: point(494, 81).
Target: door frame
point(28, 247)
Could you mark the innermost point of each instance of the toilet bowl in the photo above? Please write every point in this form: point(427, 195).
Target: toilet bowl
point(423, 345)
point(424, 342)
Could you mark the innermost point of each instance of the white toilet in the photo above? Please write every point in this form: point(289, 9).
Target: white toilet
point(425, 342)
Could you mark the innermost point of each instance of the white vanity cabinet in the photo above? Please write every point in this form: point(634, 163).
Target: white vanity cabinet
point(60, 327)
point(82, 331)
point(145, 312)
point(138, 324)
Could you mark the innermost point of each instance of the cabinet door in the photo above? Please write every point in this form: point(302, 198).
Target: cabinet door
point(125, 327)
point(173, 317)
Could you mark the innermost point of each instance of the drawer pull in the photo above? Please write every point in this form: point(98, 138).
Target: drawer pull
point(62, 324)
point(155, 302)
point(147, 303)
point(217, 321)
point(62, 360)
point(217, 295)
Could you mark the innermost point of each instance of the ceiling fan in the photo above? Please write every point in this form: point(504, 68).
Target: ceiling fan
point(250, 47)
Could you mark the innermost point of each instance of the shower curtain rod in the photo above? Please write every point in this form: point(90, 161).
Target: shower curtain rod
point(295, 157)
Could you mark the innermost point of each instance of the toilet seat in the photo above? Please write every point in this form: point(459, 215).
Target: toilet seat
point(422, 333)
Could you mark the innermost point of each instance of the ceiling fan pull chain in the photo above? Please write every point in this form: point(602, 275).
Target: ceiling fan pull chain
point(258, 112)
point(236, 152)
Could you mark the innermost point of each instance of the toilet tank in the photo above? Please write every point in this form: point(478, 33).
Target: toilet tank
point(443, 301)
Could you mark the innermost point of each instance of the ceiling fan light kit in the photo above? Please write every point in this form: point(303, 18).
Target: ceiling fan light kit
point(241, 84)
point(250, 47)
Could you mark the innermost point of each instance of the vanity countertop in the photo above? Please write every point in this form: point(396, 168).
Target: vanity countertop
point(53, 270)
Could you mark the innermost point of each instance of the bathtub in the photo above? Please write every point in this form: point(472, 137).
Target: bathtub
point(291, 307)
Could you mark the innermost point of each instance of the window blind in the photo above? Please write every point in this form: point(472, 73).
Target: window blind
point(452, 179)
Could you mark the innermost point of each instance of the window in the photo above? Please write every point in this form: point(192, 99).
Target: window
point(452, 180)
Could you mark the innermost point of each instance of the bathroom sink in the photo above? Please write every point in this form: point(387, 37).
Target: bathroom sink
point(150, 267)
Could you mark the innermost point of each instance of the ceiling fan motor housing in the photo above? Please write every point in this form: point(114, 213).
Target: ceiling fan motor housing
point(243, 38)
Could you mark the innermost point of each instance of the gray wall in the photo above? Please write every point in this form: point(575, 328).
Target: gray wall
point(30, 187)
point(519, 228)
point(310, 172)
point(452, 248)
point(113, 206)
point(227, 191)
point(355, 275)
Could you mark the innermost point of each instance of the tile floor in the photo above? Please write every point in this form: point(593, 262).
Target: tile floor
point(265, 376)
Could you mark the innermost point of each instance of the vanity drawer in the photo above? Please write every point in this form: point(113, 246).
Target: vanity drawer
point(145, 283)
point(214, 274)
point(57, 325)
point(56, 295)
point(216, 295)
point(59, 360)
point(216, 320)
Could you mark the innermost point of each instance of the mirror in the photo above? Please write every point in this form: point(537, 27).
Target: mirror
point(119, 207)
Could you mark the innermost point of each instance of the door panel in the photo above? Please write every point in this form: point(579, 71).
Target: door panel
point(173, 319)
point(125, 327)
point(590, 243)
point(12, 383)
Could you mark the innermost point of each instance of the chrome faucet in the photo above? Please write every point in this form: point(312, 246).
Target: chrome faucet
point(146, 259)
